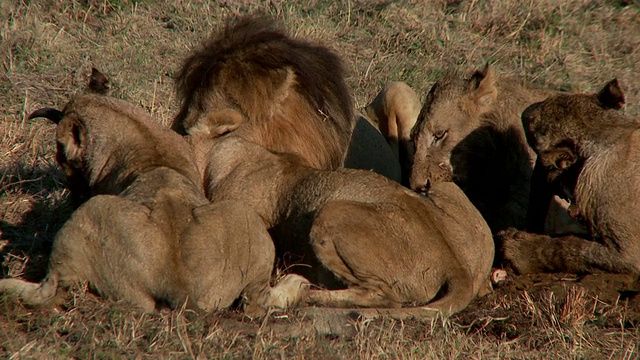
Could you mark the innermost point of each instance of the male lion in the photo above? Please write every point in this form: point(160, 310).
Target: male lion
point(396, 109)
point(590, 154)
point(392, 246)
point(148, 235)
point(469, 131)
point(291, 92)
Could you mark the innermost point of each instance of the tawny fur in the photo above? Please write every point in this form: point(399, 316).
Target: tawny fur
point(391, 246)
point(589, 153)
point(147, 234)
point(395, 109)
point(469, 131)
point(291, 93)
point(401, 249)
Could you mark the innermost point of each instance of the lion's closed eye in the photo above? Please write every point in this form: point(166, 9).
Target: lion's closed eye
point(439, 135)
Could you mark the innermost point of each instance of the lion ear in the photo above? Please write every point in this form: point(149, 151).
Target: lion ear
point(72, 140)
point(563, 157)
point(483, 86)
point(611, 96)
point(98, 82)
point(217, 123)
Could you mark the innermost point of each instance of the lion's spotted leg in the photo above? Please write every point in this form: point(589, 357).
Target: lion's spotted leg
point(532, 253)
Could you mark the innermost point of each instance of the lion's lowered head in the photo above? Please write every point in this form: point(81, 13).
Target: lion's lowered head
point(451, 111)
point(89, 125)
point(291, 93)
point(561, 131)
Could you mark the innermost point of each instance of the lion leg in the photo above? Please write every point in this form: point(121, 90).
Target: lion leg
point(371, 303)
point(353, 296)
point(349, 238)
point(533, 253)
point(288, 292)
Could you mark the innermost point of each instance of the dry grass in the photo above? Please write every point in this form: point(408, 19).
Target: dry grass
point(47, 49)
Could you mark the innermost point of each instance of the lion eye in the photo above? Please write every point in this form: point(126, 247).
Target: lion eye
point(439, 135)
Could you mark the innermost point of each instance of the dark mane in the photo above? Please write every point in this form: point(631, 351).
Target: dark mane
point(260, 45)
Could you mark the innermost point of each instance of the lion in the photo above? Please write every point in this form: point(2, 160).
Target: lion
point(395, 109)
point(147, 234)
point(291, 92)
point(232, 113)
point(469, 131)
point(391, 246)
point(581, 139)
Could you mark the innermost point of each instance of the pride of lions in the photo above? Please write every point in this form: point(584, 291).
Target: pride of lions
point(488, 171)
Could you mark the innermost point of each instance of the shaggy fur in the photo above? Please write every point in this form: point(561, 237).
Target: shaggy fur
point(291, 92)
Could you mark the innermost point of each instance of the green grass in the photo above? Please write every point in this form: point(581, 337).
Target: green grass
point(47, 49)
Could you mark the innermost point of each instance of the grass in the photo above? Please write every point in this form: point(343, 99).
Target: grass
point(47, 49)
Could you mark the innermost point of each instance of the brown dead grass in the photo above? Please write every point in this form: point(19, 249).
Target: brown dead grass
point(47, 49)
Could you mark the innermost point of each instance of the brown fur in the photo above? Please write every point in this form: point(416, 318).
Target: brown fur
point(469, 131)
point(396, 109)
point(291, 93)
point(588, 153)
point(148, 235)
point(392, 247)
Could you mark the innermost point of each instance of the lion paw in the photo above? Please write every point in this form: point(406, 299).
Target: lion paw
point(515, 250)
point(289, 291)
point(510, 233)
point(498, 275)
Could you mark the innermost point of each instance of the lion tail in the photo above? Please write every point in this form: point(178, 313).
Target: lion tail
point(33, 294)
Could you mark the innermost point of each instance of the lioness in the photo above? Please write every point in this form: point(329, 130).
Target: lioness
point(392, 246)
point(590, 154)
point(395, 109)
point(148, 235)
point(469, 131)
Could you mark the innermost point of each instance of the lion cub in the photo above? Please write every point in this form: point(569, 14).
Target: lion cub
point(393, 247)
point(589, 154)
point(148, 235)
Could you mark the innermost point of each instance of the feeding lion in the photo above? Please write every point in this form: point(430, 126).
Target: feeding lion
point(391, 246)
point(469, 131)
point(147, 234)
point(588, 153)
